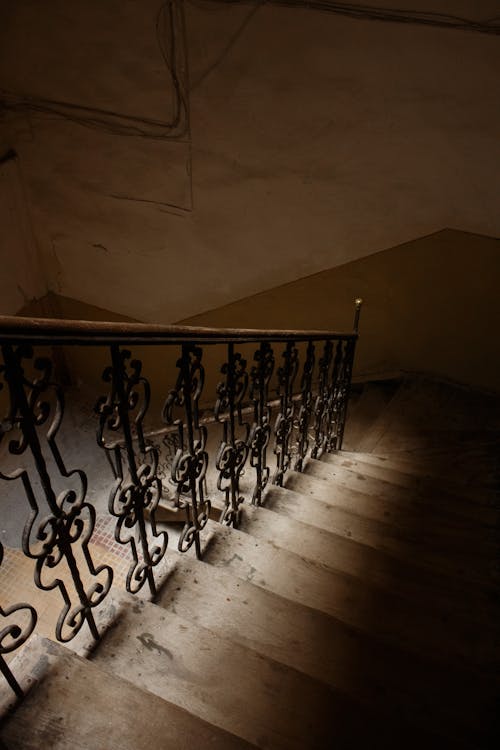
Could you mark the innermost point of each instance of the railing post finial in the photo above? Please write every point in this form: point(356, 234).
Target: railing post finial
point(357, 312)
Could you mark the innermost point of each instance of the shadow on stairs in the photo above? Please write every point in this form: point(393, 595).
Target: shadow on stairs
point(356, 609)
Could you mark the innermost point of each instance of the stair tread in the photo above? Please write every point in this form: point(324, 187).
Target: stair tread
point(355, 608)
point(349, 599)
point(411, 512)
point(282, 629)
point(447, 526)
point(75, 704)
point(444, 502)
point(399, 545)
point(362, 416)
point(425, 405)
point(404, 576)
point(380, 677)
point(476, 485)
point(238, 689)
point(407, 511)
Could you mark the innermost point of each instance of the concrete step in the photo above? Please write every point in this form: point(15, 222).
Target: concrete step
point(446, 562)
point(454, 545)
point(413, 514)
point(423, 406)
point(403, 574)
point(337, 511)
point(351, 600)
point(280, 629)
point(386, 502)
point(462, 454)
point(475, 483)
point(235, 688)
point(383, 679)
point(443, 502)
point(72, 704)
point(364, 413)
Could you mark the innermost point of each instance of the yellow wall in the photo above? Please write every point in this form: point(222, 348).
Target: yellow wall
point(22, 275)
point(316, 139)
point(430, 306)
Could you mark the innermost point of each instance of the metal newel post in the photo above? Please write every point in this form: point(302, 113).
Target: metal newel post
point(357, 312)
point(346, 391)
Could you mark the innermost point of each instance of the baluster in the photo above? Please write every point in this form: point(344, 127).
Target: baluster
point(305, 407)
point(334, 399)
point(345, 378)
point(260, 433)
point(191, 459)
point(283, 427)
point(137, 488)
point(13, 634)
point(343, 392)
point(322, 401)
point(346, 390)
point(58, 527)
point(233, 451)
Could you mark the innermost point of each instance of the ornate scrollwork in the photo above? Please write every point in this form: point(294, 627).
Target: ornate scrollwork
point(57, 524)
point(340, 388)
point(283, 427)
point(137, 488)
point(260, 432)
point(13, 633)
point(233, 451)
point(322, 403)
point(332, 401)
point(305, 410)
point(189, 466)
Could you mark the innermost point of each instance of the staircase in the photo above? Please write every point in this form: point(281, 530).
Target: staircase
point(355, 609)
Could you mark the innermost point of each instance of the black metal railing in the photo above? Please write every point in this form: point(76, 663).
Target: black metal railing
point(289, 403)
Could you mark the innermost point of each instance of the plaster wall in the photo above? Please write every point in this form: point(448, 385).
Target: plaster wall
point(316, 140)
point(430, 306)
point(22, 276)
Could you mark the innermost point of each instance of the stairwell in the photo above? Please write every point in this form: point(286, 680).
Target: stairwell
point(355, 609)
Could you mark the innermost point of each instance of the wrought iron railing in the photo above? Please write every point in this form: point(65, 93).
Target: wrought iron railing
point(289, 403)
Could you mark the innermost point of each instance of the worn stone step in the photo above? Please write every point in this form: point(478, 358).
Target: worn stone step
point(364, 413)
point(417, 517)
point(407, 512)
point(397, 574)
point(335, 511)
point(418, 475)
point(279, 628)
point(414, 474)
point(454, 545)
point(387, 680)
point(72, 704)
point(423, 405)
point(237, 689)
point(399, 543)
point(351, 600)
point(268, 703)
point(418, 465)
point(444, 503)
point(430, 446)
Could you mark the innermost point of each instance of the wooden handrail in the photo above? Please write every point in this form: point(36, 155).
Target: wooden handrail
point(90, 333)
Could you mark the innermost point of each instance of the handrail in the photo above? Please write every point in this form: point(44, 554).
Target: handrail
point(285, 404)
point(91, 333)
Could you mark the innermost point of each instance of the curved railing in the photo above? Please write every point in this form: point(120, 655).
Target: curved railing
point(290, 402)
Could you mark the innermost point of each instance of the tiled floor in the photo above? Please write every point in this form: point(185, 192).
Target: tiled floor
point(17, 571)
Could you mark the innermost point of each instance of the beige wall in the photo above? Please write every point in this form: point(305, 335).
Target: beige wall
point(430, 306)
point(22, 277)
point(316, 140)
